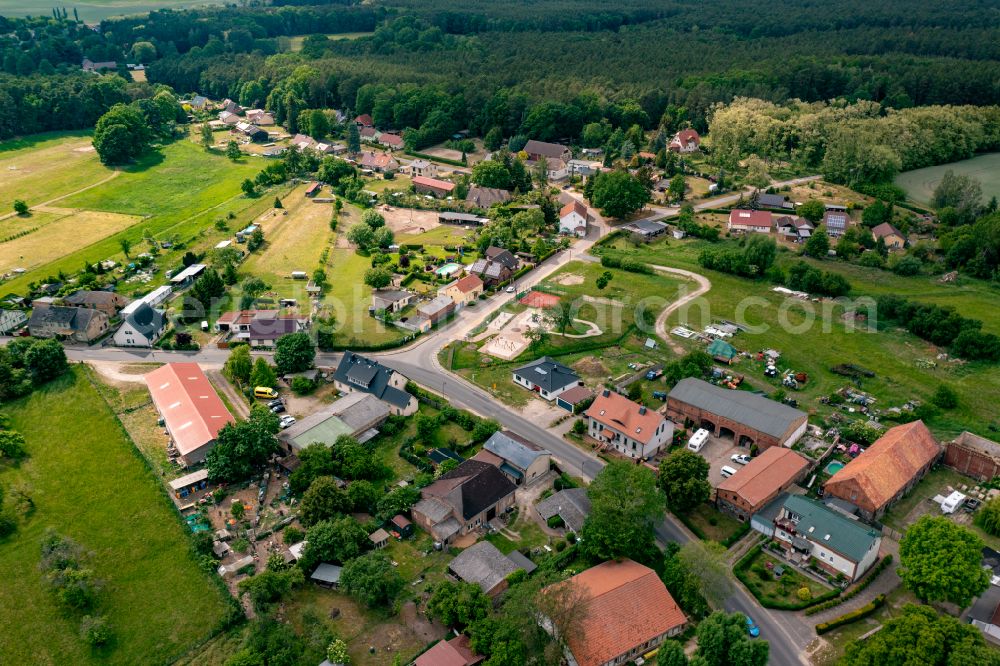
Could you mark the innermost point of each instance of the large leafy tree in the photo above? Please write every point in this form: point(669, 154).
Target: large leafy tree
point(294, 352)
point(242, 448)
point(684, 480)
point(336, 540)
point(459, 604)
point(120, 135)
point(922, 637)
point(941, 561)
point(315, 460)
point(372, 579)
point(618, 193)
point(707, 562)
point(239, 365)
point(625, 503)
point(45, 360)
point(491, 173)
point(324, 500)
point(263, 373)
point(723, 641)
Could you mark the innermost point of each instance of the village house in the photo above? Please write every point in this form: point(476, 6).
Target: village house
point(462, 500)
point(421, 167)
point(484, 565)
point(379, 162)
point(251, 132)
point(452, 652)
point(356, 415)
point(555, 168)
point(260, 328)
point(574, 218)
point(495, 266)
point(685, 141)
point(89, 65)
point(973, 456)
point(141, 326)
point(391, 300)
point(583, 168)
point(259, 117)
point(107, 302)
point(750, 221)
point(484, 197)
point(571, 504)
point(747, 418)
point(231, 107)
point(625, 612)
point(228, 118)
point(536, 150)
point(890, 235)
point(520, 461)
point(809, 531)
point(11, 320)
point(192, 412)
point(369, 135)
point(546, 377)
point(645, 230)
point(432, 186)
point(630, 428)
point(464, 290)
point(77, 324)
point(437, 309)
point(836, 221)
point(391, 141)
point(759, 482)
point(774, 201)
point(357, 373)
point(886, 471)
point(364, 120)
point(794, 229)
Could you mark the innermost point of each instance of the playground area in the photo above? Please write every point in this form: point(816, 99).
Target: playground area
point(514, 331)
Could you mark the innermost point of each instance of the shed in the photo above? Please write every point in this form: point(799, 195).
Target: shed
point(401, 525)
point(379, 539)
point(326, 575)
point(722, 351)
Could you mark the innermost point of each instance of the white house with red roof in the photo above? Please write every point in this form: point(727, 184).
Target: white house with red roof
point(685, 141)
point(630, 428)
point(750, 221)
point(574, 218)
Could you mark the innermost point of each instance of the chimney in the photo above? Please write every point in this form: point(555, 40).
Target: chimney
point(642, 410)
point(605, 393)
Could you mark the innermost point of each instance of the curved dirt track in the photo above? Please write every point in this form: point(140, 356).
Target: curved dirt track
point(704, 284)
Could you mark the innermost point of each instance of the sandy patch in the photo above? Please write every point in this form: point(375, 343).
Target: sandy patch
point(84, 149)
point(407, 220)
point(570, 279)
point(591, 367)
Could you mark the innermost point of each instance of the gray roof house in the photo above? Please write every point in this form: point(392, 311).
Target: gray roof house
point(747, 417)
point(774, 201)
point(484, 565)
point(391, 300)
point(464, 499)
point(357, 415)
point(11, 320)
point(521, 461)
point(484, 197)
point(572, 505)
point(80, 324)
point(547, 377)
point(141, 328)
point(357, 373)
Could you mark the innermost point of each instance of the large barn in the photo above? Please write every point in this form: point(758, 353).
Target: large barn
point(191, 410)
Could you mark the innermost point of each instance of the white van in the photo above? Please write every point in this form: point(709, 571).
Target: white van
point(727, 471)
point(698, 440)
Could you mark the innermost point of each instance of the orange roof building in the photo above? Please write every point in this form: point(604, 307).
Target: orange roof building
point(455, 652)
point(191, 410)
point(887, 470)
point(630, 428)
point(760, 481)
point(626, 613)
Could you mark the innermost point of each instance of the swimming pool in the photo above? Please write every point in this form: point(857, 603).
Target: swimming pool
point(833, 467)
point(448, 269)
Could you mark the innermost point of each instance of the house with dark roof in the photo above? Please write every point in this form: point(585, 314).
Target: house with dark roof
point(647, 230)
point(760, 481)
point(11, 320)
point(571, 504)
point(356, 415)
point(484, 197)
point(391, 300)
point(520, 460)
point(141, 327)
point(536, 150)
point(887, 470)
point(484, 565)
point(774, 201)
point(795, 229)
point(973, 456)
point(546, 377)
point(626, 426)
point(890, 235)
point(463, 500)
point(811, 532)
point(453, 652)
point(495, 266)
point(625, 612)
point(78, 324)
point(107, 302)
point(685, 141)
point(357, 373)
point(749, 419)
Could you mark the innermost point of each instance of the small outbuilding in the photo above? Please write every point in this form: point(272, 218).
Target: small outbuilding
point(379, 539)
point(326, 575)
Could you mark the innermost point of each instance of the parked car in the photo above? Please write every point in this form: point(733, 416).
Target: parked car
point(654, 373)
point(510, 289)
point(752, 627)
point(740, 458)
point(276, 402)
point(660, 395)
point(287, 421)
point(277, 409)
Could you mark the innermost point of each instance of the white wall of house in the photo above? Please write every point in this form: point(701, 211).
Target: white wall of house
point(795, 436)
point(547, 395)
point(627, 445)
point(569, 223)
point(128, 336)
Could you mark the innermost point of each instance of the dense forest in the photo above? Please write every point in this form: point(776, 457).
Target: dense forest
point(541, 68)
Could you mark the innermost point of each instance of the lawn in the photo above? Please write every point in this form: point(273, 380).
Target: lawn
point(170, 191)
point(763, 584)
point(445, 234)
point(812, 343)
point(347, 297)
point(58, 235)
point(387, 447)
point(43, 167)
point(920, 183)
point(88, 483)
point(714, 524)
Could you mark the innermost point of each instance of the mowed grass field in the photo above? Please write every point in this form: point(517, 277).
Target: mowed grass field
point(813, 344)
point(177, 193)
point(295, 43)
point(347, 297)
point(88, 483)
point(920, 183)
point(58, 235)
point(96, 11)
point(46, 166)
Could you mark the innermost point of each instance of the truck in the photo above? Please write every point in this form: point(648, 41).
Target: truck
point(654, 373)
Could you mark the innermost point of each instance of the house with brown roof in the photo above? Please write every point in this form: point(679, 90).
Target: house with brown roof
point(391, 141)
point(380, 162)
point(464, 290)
point(453, 652)
point(107, 302)
point(750, 221)
point(463, 500)
point(760, 481)
point(887, 470)
point(432, 186)
point(973, 456)
point(626, 426)
point(192, 412)
point(890, 235)
point(685, 141)
point(57, 321)
point(625, 612)
point(484, 197)
point(536, 150)
point(364, 120)
point(574, 218)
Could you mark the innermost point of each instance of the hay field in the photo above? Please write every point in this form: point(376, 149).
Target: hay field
point(46, 166)
point(59, 234)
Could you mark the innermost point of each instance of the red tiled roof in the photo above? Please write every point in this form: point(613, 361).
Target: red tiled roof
point(625, 604)
point(365, 120)
point(765, 475)
point(455, 652)
point(688, 135)
point(619, 413)
point(886, 229)
point(750, 218)
point(573, 206)
point(434, 183)
point(889, 464)
point(469, 284)
point(189, 405)
point(393, 140)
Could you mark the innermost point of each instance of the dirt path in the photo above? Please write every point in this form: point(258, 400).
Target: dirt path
point(237, 401)
point(661, 322)
point(114, 174)
point(113, 370)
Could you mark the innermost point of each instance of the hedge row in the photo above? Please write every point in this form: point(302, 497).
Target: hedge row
point(853, 616)
point(435, 158)
point(865, 582)
point(625, 264)
point(740, 569)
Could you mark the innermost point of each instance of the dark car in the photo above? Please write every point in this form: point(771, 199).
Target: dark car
point(277, 409)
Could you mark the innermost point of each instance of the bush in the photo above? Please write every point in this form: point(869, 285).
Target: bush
point(853, 616)
point(292, 535)
point(555, 521)
point(804, 593)
point(865, 582)
point(571, 537)
point(560, 546)
point(241, 545)
point(94, 630)
point(303, 385)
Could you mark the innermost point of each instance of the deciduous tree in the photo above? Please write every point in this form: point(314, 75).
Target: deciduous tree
point(294, 352)
point(372, 579)
point(624, 505)
point(684, 480)
point(942, 561)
